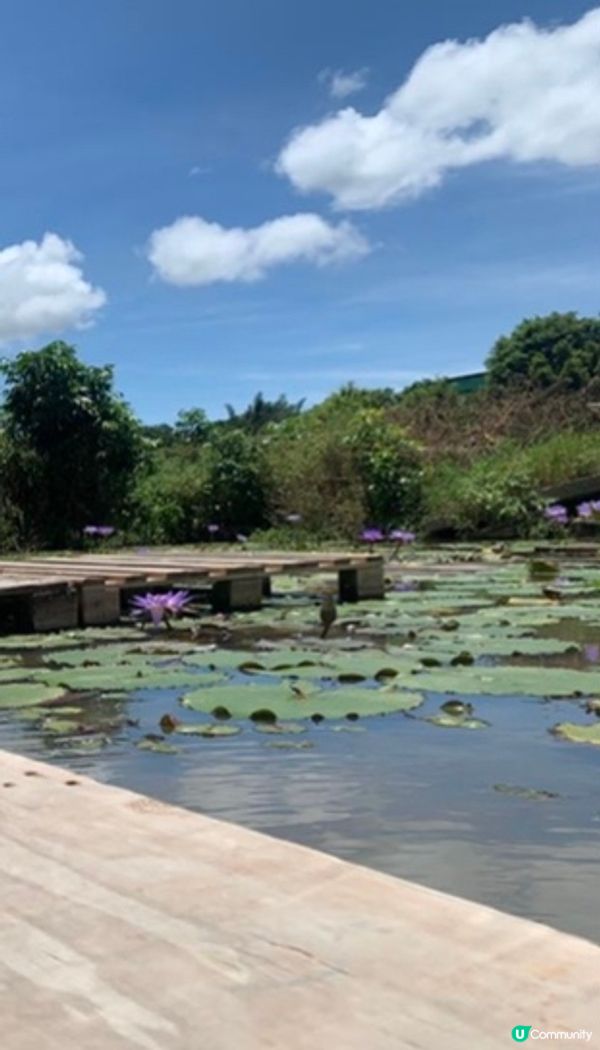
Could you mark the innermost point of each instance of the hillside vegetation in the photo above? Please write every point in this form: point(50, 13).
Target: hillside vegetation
point(429, 458)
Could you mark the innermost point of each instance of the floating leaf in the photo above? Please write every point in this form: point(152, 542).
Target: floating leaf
point(282, 703)
point(578, 734)
point(533, 794)
point(159, 746)
point(208, 730)
point(289, 745)
point(280, 727)
point(457, 722)
point(27, 694)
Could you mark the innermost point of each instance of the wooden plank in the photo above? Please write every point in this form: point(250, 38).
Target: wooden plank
point(128, 924)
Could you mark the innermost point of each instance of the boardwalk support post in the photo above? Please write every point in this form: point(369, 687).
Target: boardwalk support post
point(99, 604)
point(50, 610)
point(365, 581)
point(238, 592)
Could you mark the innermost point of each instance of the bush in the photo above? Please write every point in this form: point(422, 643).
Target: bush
point(491, 500)
point(561, 349)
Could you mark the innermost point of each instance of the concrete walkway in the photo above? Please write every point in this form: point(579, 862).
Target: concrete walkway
point(126, 923)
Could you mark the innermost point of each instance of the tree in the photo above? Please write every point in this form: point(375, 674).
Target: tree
point(260, 412)
point(561, 349)
point(71, 444)
point(192, 426)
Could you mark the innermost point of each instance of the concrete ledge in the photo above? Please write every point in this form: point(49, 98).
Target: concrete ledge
point(126, 923)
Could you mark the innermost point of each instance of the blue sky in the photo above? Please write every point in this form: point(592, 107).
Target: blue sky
point(119, 118)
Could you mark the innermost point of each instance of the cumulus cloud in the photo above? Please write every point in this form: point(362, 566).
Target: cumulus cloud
point(193, 251)
point(42, 289)
point(522, 94)
point(342, 84)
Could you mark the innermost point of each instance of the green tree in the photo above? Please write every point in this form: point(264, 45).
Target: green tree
point(192, 426)
point(261, 412)
point(235, 488)
point(560, 349)
point(71, 444)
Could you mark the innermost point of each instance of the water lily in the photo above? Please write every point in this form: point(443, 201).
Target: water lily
point(293, 519)
point(101, 531)
point(401, 536)
point(372, 535)
point(213, 529)
point(588, 509)
point(159, 607)
point(557, 514)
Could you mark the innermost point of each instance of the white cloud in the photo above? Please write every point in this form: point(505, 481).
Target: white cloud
point(194, 251)
point(523, 94)
point(42, 289)
point(342, 84)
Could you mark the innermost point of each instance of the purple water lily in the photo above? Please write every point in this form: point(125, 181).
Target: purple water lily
point(101, 531)
point(241, 538)
point(159, 607)
point(293, 519)
point(372, 535)
point(213, 529)
point(557, 514)
point(589, 509)
point(405, 586)
point(592, 653)
point(401, 536)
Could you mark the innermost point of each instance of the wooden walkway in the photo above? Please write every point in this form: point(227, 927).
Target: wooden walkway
point(64, 591)
point(127, 924)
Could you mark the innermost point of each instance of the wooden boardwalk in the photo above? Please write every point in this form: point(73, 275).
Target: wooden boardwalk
point(64, 591)
point(127, 924)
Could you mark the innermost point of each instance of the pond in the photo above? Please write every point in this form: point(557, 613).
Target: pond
point(445, 734)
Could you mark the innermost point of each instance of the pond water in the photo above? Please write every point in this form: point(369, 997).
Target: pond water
point(506, 813)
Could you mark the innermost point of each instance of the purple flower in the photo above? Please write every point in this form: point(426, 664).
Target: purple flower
point(372, 536)
point(557, 514)
point(592, 653)
point(102, 531)
point(293, 519)
point(213, 529)
point(401, 536)
point(241, 538)
point(588, 509)
point(404, 586)
point(159, 607)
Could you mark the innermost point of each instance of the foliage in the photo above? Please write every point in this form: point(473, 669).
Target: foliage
point(390, 467)
point(192, 425)
point(71, 444)
point(559, 349)
point(492, 499)
point(261, 412)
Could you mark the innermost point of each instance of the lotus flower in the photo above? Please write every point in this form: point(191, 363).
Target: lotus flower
point(589, 509)
point(401, 536)
point(159, 607)
point(372, 535)
point(557, 514)
point(102, 531)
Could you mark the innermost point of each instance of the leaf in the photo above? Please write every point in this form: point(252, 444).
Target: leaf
point(27, 694)
point(282, 703)
point(280, 727)
point(578, 734)
point(160, 746)
point(216, 729)
point(523, 792)
point(510, 681)
point(457, 722)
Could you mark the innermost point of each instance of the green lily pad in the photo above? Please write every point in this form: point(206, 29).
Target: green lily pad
point(209, 730)
point(126, 678)
point(578, 734)
point(26, 694)
point(532, 794)
point(457, 722)
point(289, 745)
point(280, 727)
point(244, 700)
point(510, 681)
point(159, 746)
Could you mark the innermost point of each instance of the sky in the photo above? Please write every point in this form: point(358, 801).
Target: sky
point(222, 198)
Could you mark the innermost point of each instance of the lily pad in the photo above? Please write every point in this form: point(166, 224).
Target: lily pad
point(533, 794)
point(578, 734)
point(159, 746)
point(243, 701)
point(27, 694)
point(280, 727)
point(213, 729)
point(457, 722)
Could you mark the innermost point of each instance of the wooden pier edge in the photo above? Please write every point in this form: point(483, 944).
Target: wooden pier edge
point(128, 924)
